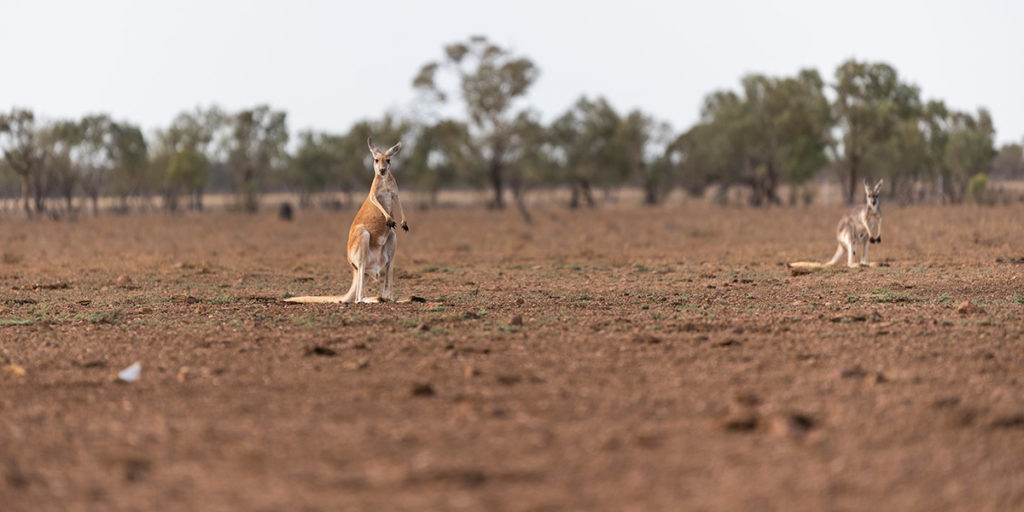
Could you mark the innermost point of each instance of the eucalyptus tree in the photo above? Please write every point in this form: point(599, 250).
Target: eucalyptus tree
point(969, 151)
point(871, 103)
point(129, 155)
point(1009, 162)
point(190, 143)
point(63, 140)
point(312, 165)
point(584, 144)
point(491, 80)
point(23, 152)
point(254, 148)
point(442, 152)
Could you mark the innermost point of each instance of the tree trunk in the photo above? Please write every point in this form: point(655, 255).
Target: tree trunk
point(517, 195)
point(496, 184)
point(25, 193)
point(588, 196)
point(853, 175)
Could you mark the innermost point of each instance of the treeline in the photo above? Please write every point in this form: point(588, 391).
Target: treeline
point(772, 131)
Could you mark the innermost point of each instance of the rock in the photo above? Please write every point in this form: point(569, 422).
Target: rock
point(516, 321)
point(422, 389)
point(792, 424)
point(123, 281)
point(131, 373)
point(852, 372)
point(968, 308)
point(317, 350)
point(739, 422)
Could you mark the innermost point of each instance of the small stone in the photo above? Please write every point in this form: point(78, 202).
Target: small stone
point(739, 422)
point(516, 321)
point(317, 350)
point(520, 301)
point(183, 373)
point(422, 389)
point(792, 425)
point(123, 281)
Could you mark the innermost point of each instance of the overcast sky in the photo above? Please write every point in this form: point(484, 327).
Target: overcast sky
point(329, 64)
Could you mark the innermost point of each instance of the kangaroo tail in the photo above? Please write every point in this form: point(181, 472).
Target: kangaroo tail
point(837, 256)
point(814, 264)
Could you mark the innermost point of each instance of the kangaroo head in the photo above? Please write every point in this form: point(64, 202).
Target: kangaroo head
point(871, 194)
point(382, 161)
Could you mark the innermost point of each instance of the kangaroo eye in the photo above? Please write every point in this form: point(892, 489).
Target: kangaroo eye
point(376, 160)
point(389, 160)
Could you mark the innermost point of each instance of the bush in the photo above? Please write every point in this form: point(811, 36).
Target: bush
point(977, 188)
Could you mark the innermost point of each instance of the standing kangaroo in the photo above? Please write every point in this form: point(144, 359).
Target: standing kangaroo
point(371, 239)
point(861, 226)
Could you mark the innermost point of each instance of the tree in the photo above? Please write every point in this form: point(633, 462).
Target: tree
point(870, 103)
point(193, 135)
point(254, 148)
point(130, 158)
point(969, 151)
point(642, 148)
point(1009, 162)
point(23, 152)
point(95, 163)
point(187, 169)
point(584, 145)
point(491, 80)
point(312, 165)
point(441, 151)
point(776, 130)
point(63, 140)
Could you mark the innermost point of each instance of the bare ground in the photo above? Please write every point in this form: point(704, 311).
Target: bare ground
point(618, 359)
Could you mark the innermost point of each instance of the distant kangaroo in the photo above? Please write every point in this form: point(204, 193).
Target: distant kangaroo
point(371, 239)
point(862, 225)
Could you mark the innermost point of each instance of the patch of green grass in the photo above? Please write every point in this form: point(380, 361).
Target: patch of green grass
point(36, 317)
point(852, 299)
point(224, 299)
point(1017, 299)
point(886, 296)
point(942, 299)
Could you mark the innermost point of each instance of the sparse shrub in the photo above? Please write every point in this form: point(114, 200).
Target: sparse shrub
point(977, 188)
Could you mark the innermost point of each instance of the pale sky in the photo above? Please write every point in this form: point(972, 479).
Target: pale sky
point(330, 64)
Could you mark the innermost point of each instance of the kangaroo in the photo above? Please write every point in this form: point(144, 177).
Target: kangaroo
point(861, 226)
point(371, 239)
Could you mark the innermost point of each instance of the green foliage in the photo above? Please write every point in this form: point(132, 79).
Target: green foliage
point(977, 188)
point(775, 130)
point(255, 148)
point(491, 79)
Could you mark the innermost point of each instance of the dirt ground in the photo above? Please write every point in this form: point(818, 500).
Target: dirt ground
point(618, 359)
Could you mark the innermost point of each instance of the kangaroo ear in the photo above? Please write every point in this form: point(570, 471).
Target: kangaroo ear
point(878, 186)
point(867, 187)
point(369, 142)
point(394, 150)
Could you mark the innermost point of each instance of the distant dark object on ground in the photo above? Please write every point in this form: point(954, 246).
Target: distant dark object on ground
point(331, 204)
point(285, 211)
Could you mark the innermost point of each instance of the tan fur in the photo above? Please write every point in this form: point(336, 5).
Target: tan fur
point(857, 229)
point(372, 237)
